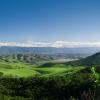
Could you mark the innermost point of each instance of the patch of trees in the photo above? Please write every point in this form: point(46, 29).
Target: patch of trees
point(47, 88)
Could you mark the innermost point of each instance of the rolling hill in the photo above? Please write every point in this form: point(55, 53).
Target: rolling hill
point(19, 67)
point(24, 80)
point(23, 65)
point(93, 60)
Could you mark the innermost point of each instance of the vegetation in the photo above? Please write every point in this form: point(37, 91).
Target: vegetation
point(22, 80)
point(22, 69)
point(46, 88)
point(93, 60)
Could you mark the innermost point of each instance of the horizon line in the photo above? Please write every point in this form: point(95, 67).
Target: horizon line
point(56, 44)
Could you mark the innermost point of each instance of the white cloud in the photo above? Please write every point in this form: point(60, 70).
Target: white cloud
point(56, 44)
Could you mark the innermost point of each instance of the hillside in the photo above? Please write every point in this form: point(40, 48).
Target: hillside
point(26, 58)
point(20, 64)
point(22, 80)
point(20, 67)
point(93, 60)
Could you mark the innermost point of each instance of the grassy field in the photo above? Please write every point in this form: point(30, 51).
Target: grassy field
point(16, 69)
point(57, 71)
point(20, 69)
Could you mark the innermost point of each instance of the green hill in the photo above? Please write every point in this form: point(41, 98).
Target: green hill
point(27, 65)
point(93, 60)
point(20, 65)
point(26, 58)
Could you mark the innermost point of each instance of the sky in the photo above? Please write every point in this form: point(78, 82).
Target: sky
point(50, 20)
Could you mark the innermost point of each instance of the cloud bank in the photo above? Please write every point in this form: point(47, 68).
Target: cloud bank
point(57, 44)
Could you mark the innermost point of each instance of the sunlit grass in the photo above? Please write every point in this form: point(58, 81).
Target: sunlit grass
point(21, 69)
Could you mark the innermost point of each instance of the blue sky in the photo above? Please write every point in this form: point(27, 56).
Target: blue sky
point(49, 20)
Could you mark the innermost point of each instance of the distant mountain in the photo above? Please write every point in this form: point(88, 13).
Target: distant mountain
point(47, 50)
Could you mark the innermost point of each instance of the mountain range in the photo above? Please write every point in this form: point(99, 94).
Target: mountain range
point(48, 50)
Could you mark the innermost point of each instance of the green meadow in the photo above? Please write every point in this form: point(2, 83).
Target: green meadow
point(21, 69)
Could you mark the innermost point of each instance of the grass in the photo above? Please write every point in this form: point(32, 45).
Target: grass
point(21, 69)
point(16, 69)
point(23, 72)
point(57, 71)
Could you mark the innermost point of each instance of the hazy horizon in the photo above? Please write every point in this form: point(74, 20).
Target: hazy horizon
point(56, 44)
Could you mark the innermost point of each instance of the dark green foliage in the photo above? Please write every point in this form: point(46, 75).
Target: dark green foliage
point(46, 88)
point(93, 60)
point(1, 73)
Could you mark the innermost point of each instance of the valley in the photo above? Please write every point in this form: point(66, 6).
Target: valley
point(29, 65)
point(49, 77)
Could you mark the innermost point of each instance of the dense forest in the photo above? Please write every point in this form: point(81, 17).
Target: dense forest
point(78, 86)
